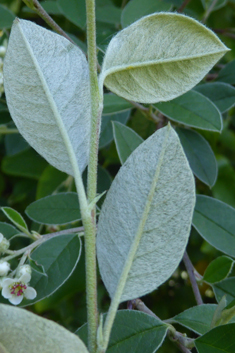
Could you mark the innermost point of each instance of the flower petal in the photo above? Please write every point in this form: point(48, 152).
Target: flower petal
point(15, 300)
point(30, 293)
point(6, 293)
point(8, 282)
point(25, 278)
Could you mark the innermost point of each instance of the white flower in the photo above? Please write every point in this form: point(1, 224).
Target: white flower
point(2, 50)
point(4, 244)
point(25, 269)
point(4, 268)
point(16, 289)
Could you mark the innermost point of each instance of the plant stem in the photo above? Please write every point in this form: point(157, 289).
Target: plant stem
point(208, 12)
point(190, 269)
point(35, 5)
point(90, 240)
point(7, 131)
point(182, 7)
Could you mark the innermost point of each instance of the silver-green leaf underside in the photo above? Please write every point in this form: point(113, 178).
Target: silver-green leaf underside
point(46, 81)
point(22, 331)
point(146, 217)
point(159, 57)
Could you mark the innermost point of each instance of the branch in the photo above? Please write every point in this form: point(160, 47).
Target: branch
point(182, 7)
point(183, 342)
point(35, 5)
point(190, 269)
point(208, 12)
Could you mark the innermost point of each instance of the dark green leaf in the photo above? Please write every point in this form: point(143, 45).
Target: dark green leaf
point(192, 109)
point(59, 257)
point(26, 163)
point(37, 267)
point(51, 7)
point(218, 269)
point(15, 143)
point(74, 10)
point(6, 17)
point(199, 154)
point(126, 140)
point(106, 135)
point(218, 340)
point(61, 208)
point(225, 287)
point(227, 74)
point(136, 9)
point(215, 222)
point(8, 230)
point(108, 14)
point(114, 104)
point(221, 94)
point(49, 181)
point(132, 331)
point(197, 318)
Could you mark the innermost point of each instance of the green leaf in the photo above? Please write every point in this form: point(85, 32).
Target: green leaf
point(136, 9)
point(142, 333)
point(74, 11)
point(6, 17)
point(145, 63)
point(215, 222)
point(200, 155)
point(59, 257)
point(218, 340)
point(8, 230)
point(26, 163)
point(106, 134)
point(126, 140)
point(108, 14)
point(221, 94)
point(224, 189)
point(197, 318)
point(146, 217)
point(47, 104)
point(51, 7)
point(218, 269)
point(217, 314)
point(114, 104)
point(60, 209)
point(14, 144)
point(193, 109)
point(207, 3)
point(31, 333)
point(227, 74)
point(49, 181)
point(225, 287)
point(15, 217)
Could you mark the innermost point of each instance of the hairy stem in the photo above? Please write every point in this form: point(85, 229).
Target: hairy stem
point(190, 269)
point(90, 240)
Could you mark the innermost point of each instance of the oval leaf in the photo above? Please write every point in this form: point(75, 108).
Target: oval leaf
point(146, 217)
point(50, 104)
point(218, 269)
point(74, 11)
point(6, 17)
point(15, 217)
point(225, 287)
point(218, 340)
point(200, 155)
point(142, 333)
point(114, 104)
point(8, 230)
point(58, 258)
point(215, 222)
point(31, 333)
point(61, 208)
point(126, 140)
point(193, 109)
point(159, 58)
point(227, 74)
point(221, 94)
point(197, 318)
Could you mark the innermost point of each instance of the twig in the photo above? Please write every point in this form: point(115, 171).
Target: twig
point(176, 337)
point(145, 111)
point(190, 269)
point(224, 32)
point(182, 7)
point(35, 5)
point(208, 12)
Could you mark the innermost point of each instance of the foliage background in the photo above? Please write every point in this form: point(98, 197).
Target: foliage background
point(26, 177)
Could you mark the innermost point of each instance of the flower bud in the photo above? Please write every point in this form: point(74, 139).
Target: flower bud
point(4, 268)
point(2, 50)
point(4, 244)
point(24, 269)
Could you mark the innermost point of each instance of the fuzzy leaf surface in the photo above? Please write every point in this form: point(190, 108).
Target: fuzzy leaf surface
point(146, 217)
point(50, 104)
point(33, 334)
point(159, 57)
